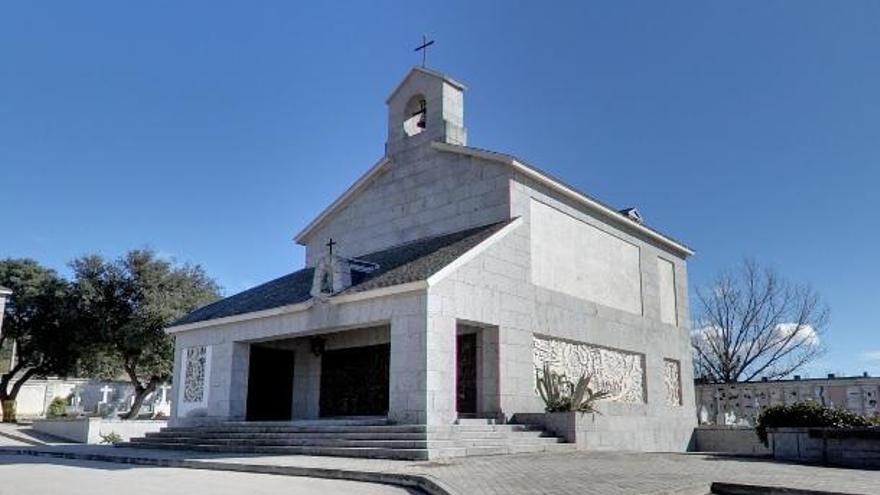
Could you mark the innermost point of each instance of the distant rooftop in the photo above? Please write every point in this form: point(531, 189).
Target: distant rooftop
point(796, 378)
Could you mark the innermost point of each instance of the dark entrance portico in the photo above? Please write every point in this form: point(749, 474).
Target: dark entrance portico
point(354, 381)
point(270, 384)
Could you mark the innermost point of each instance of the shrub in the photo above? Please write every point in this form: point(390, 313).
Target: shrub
point(560, 395)
point(110, 438)
point(805, 414)
point(58, 407)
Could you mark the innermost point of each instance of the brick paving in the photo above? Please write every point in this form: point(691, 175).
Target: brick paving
point(585, 473)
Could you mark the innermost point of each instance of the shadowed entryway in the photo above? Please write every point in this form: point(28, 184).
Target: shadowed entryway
point(270, 384)
point(354, 381)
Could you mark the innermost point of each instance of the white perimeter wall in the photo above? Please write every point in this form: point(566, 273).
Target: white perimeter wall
point(575, 258)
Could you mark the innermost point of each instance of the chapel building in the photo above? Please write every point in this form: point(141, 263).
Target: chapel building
point(437, 287)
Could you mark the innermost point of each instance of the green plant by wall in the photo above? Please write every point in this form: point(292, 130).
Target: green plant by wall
point(805, 414)
point(110, 438)
point(58, 407)
point(561, 395)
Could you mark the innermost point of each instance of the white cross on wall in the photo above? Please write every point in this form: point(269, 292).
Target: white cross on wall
point(164, 390)
point(106, 391)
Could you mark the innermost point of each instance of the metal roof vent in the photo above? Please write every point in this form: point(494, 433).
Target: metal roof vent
point(633, 214)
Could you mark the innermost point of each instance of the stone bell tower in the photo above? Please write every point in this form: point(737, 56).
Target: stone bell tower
point(426, 106)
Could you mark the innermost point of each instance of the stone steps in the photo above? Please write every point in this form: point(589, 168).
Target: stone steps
point(448, 435)
point(355, 429)
point(383, 443)
point(370, 452)
point(356, 438)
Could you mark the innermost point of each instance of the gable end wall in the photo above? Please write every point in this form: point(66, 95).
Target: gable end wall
point(421, 193)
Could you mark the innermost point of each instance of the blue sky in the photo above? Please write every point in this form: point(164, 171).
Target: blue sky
point(213, 131)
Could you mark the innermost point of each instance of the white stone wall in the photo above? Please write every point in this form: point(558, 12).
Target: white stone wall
point(422, 193)
point(403, 315)
point(496, 289)
point(576, 258)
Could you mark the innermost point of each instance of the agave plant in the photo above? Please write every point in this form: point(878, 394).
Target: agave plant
point(561, 395)
point(583, 398)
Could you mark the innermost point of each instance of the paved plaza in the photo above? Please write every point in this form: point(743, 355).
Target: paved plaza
point(25, 475)
point(568, 473)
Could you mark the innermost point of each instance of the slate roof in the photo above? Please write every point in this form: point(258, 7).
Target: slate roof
point(410, 262)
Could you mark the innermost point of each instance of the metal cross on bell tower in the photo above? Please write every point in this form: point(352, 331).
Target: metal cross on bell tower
point(424, 48)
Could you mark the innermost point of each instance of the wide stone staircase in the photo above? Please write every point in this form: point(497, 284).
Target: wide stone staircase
point(375, 438)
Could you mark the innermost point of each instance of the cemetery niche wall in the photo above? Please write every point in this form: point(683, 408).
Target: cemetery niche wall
point(740, 403)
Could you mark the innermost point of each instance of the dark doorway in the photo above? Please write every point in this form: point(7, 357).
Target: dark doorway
point(270, 384)
point(466, 374)
point(354, 381)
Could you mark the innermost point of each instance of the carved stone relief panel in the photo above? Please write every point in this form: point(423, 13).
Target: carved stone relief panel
point(672, 380)
point(195, 359)
point(619, 373)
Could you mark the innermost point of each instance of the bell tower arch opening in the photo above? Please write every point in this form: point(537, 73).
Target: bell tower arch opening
point(417, 110)
point(426, 106)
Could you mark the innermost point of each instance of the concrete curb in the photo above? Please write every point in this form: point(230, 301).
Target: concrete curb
point(737, 489)
point(424, 483)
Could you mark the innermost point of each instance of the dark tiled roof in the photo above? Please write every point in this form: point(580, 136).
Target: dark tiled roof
point(289, 289)
point(419, 260)
point(401, 264)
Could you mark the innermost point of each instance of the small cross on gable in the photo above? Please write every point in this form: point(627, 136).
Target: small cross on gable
point(330, 245)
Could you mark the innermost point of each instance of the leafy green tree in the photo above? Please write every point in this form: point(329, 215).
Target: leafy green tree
point(42, 322)
point(129, 303)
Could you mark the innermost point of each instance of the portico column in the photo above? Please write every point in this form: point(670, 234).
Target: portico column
point(407, 369)
point(238, 380)
point(422, 370)
point(441, 369)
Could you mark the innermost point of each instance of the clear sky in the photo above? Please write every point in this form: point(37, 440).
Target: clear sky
point(214, 131)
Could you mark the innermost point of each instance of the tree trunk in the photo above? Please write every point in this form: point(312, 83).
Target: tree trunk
point(8, 410)
point(7, 399)
point(140, 393)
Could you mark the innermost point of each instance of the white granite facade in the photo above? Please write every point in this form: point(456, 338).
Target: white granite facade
point(427, 185)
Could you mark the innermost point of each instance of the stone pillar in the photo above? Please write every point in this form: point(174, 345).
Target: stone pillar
point(220, 376)
point(238, 380)
point(176, 383)
point(516, 375)
point(407, 397)
point(441, 368)
point(489, 394)
point(306, 383)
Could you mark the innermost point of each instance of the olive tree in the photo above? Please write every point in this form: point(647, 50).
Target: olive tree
point(41, 323)
point(129, 302)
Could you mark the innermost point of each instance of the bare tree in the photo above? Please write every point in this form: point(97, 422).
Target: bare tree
point(751, 324)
